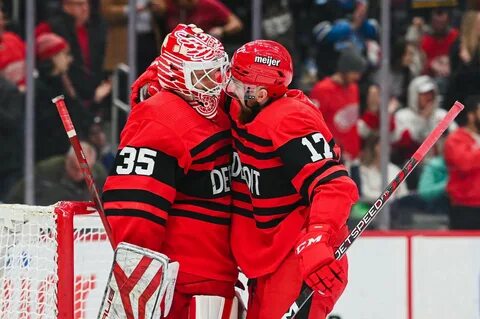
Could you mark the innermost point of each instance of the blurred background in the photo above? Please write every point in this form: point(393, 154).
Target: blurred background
point(402, 64)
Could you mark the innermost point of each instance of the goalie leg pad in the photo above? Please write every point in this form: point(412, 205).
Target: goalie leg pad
point(138, 281)
point(213, 307)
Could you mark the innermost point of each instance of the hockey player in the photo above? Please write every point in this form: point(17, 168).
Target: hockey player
point(291, 194)
point(169, 189)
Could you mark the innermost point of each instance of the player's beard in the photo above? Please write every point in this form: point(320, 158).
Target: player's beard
point(247, 114)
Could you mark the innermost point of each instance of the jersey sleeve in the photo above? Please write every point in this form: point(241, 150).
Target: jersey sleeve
point(142, 184)
point(312, 161)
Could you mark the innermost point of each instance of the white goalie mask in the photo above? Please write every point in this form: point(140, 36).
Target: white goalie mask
point(193, 64)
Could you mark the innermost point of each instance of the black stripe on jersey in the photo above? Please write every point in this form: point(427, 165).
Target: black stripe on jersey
point(199, 184)
point(227, 104)
point(250, 151)
point(199, 216)
point(270, 224)
point(136, 195)
point(227, 149)
point(204, 204)
point(164, 169)
point(295, 155)
point(209, 142)
point(136, 213)
point(249, 137)
point(241, 197)
point(309, 180)
point(242, 211)
point(273, 182)
point(277, 210)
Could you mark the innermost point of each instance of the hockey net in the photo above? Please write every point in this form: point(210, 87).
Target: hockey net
point(54, 261)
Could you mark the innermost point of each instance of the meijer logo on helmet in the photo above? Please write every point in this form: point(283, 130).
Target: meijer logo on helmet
point(267, 60)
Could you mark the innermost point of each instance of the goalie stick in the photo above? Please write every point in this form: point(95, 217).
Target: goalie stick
point(307, 292)
point(140, 277)
point(87, 173)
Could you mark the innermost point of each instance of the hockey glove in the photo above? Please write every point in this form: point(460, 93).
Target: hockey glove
point(146, 85)
point(318, 266)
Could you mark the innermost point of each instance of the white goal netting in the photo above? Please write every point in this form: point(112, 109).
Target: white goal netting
point(40, 275)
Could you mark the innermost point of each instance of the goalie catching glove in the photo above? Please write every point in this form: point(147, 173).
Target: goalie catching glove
point(146, 85)
point(319, 268)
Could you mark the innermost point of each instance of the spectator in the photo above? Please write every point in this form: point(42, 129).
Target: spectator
point(432, 184)
point(358, 33)
point(406, 64)
point(11, 135)
point(53, 62)
point(210, 15)
point(338, 98)
point(465, 60)
point(12, 55)
point(60, 178)
point(436, 44)
point(369, 122)
point(370, 174)
point(148, 29)
point(462, 155)
point(417, 120)
point(98, 138)
point(370, 182)
point(85, 35)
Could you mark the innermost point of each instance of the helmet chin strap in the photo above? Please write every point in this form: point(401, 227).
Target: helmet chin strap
point(254, 108)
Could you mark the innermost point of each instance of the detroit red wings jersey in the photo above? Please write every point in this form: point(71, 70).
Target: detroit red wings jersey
point(169, 189)
point(286, 174)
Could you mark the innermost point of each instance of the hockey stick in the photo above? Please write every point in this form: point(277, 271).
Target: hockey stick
point(307, 293)
point(87, 173)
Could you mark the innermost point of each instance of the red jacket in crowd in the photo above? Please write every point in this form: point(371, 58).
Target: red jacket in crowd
point(340, 107)
point(462, 155)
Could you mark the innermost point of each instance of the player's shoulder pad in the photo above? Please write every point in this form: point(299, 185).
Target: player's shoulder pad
point(169, 110)
point(294, 104)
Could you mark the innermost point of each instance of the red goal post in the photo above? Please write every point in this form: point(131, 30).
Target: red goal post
point(54, 261)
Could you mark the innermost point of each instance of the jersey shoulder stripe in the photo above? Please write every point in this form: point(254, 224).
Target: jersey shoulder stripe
point(250, 137)
point(136, 213)
point(224, 150)
point(252, 152)
point(136, 195)
point(145, 161)
point(200, 216)
point(215, 138)
point(205, 204)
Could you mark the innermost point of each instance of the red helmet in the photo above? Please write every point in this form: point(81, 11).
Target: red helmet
point(263, 63)
point(193, 64)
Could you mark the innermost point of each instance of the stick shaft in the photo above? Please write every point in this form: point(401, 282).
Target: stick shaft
point(427, 144)
point(87, 173)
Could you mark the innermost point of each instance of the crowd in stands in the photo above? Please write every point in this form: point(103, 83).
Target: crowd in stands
point(434, 60)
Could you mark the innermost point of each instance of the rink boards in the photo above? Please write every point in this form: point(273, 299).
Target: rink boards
point(413, 275)
point(395, 275)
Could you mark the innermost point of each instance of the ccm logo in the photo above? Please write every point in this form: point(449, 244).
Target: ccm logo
point(308, 243)
point(268, 60)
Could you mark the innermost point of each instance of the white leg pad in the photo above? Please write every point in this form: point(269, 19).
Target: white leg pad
point(213, 307)
point(139, 280)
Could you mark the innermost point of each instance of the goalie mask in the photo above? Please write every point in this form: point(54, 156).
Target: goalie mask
point(193, 64)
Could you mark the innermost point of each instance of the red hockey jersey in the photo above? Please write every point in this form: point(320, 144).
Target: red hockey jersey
point(169, 189)
point(285, 174)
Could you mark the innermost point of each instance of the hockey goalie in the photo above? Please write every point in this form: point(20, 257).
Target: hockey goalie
point(169, 190)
